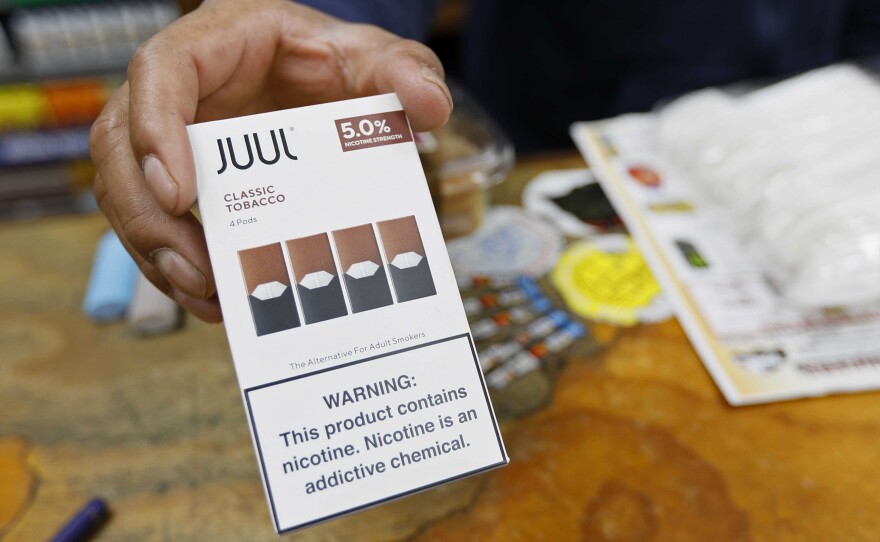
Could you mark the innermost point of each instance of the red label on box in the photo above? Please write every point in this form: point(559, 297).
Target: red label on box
point(373, 130)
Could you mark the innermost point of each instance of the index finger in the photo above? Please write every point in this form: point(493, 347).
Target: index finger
point(193, 65)
point(168, 76)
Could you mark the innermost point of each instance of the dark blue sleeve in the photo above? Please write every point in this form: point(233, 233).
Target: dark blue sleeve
point(408, 18)
point(862, 34)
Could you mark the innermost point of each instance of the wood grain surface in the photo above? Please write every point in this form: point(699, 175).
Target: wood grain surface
point(627, 440)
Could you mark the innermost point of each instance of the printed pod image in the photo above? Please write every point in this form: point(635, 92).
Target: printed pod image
point(407, 264)
point(364, 275)
point(269, 292)
point(316, 277)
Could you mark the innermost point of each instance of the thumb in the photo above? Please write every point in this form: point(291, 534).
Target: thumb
point(375, 61)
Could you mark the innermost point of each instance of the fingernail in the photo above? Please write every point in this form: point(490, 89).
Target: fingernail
point(180, 272)
point(160, 182)
point(430, 75)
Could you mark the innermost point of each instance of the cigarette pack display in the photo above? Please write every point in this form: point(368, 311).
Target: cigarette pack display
point(87, 36)
point(44, 146)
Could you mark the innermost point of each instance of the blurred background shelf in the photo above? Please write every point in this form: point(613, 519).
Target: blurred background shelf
point(60, 60)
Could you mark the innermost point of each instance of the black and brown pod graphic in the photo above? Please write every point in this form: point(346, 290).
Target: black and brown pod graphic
point(269, 292)
point(317, 280)
point(363, 273)
point(407, 262)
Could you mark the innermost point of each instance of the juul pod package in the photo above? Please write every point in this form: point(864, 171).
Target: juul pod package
point(356, 365)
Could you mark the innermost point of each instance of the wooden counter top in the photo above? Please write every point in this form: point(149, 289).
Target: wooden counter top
point(630, 439)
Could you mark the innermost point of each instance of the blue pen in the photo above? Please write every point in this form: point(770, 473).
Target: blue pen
point(84, 523)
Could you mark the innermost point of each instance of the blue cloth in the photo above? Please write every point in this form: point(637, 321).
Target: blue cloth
point(111, 284)
point(537, 66)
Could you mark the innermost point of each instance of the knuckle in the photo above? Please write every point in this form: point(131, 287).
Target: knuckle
point(143, 56)
point(108, 129)
point(408, 46)
point(136, 226)
point(147, 135)
point(99, 189)
point(425, 56)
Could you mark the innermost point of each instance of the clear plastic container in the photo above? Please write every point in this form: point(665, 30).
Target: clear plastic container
point(462, 160)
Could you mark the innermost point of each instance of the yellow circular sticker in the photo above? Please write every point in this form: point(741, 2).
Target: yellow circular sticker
point(606, 279)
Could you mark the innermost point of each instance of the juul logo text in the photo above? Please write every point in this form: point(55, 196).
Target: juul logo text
point(273, 157)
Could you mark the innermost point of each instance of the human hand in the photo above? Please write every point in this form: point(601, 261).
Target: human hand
point(226, 59)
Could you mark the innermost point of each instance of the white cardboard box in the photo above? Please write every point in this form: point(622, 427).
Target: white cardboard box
point(358, 372)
